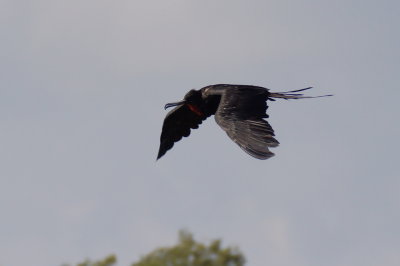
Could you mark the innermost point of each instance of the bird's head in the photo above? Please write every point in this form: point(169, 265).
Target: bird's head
point(192, 97)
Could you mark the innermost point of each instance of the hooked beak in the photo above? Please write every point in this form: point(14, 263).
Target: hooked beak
point(168, 105)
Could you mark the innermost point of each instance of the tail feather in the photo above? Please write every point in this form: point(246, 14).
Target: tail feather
point(293, 95)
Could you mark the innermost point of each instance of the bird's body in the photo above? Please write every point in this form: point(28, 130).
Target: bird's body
point(239, 110)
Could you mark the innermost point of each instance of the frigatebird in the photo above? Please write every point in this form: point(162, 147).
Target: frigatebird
point(238, 109)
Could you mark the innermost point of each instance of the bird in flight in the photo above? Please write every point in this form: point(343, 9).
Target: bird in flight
point(240, 110)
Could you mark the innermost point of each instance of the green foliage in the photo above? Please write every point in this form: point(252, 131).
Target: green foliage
point(188, 252)
point(108, 261)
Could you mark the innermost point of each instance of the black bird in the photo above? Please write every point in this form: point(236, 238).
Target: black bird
point(239, 110)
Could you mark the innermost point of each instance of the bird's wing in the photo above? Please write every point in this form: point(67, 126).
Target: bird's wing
point(240, 114)
point(177, 124)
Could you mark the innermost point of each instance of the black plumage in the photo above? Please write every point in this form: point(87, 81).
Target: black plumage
point(240, 110)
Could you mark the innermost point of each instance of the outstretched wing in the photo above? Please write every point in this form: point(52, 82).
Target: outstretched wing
point(177, 124)
point(240, 114)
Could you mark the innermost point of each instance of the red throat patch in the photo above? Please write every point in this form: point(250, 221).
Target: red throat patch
point(195, 109)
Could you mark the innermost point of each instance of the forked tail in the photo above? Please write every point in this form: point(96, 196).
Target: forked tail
point(293, 95)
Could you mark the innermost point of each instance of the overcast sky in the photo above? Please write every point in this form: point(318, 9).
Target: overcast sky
point(82, 89)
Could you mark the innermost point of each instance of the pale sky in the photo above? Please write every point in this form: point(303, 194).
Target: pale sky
point(82, 89)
